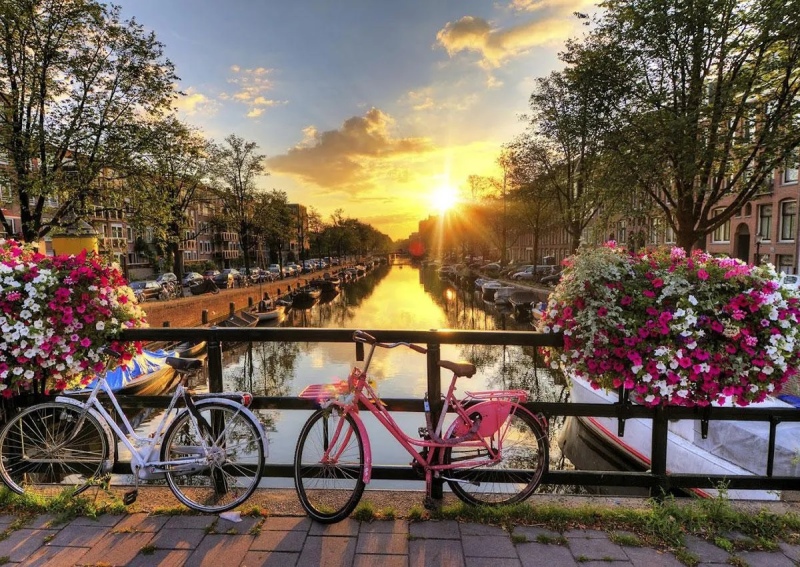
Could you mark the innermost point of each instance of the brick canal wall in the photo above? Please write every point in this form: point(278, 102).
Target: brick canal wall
point(188, 311)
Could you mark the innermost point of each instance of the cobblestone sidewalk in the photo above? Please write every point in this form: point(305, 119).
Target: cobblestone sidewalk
point(141, 539)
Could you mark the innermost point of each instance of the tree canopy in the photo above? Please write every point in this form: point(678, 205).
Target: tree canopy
point(75, 80)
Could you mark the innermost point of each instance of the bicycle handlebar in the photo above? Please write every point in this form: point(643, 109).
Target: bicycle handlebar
point(364, 337)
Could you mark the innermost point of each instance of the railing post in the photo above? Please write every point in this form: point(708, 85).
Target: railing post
point(204, 317)
point(214, 358)
point(435, 400)
point(658, 454)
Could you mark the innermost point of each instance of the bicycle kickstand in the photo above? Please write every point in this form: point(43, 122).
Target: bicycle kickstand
point(130, 495)
point(430, 502)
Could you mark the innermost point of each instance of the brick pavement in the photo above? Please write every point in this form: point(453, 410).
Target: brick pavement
point(141, 539)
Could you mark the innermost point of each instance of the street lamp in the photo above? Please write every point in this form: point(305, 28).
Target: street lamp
point(758, 250)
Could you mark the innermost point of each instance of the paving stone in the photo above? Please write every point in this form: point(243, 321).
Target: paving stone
point(117, 549)
point(79, 536)
point(791, 551)
point(648, 557)
point(178, 538)
point(471, 529)
point(287, 523)
point(585, 534)
point(190, 522)
point(270, 559)
point(220, 549)
point(447, 529)
point(488, 546)
point(45, 521)
point(140, 522)
point(439, 552)
point(279, 541)
point(22, 543)
point(54, 556)
point(532, 533)
point(106, 520)
point(244, 527)
point(607, 564)
point(765, 559)
point(328, 550)
point(706, 551)
point(382, 560)
point(163, 558)
point(384, 527)
point(382, 544)
point(496, 562)
point(539, 555)
point(596, 549)
point(346, 528)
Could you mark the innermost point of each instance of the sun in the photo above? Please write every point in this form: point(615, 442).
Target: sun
point(444, 198)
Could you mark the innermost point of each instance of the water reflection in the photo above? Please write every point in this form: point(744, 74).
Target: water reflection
point(388, 297)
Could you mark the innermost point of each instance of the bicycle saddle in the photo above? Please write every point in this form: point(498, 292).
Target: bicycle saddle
point(460, 369)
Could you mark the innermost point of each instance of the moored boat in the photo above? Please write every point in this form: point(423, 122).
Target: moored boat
point(730, 447)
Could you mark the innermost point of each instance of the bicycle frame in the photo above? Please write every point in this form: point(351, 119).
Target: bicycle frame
point(502, 402)
point(142, 449)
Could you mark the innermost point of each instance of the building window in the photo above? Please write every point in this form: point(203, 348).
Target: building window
point(790, 172)
point(723, 232)
point(788, 220)
point(765, 222)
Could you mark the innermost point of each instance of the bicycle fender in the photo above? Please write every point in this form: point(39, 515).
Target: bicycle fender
point(112, 442)
point(236, 406)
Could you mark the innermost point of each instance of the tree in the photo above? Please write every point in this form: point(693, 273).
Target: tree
point(316, 230)
point(74, 81)
point(562, 152)
point(235, 167)
point(711, 108)
point(166, 177)
point(274, 221)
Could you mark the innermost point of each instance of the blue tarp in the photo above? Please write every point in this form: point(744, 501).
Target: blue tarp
point(142, 364)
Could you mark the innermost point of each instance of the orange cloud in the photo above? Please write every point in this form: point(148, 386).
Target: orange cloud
point(496, 45)
point(349, 157)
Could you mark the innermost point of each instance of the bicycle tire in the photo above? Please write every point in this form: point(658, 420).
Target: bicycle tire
point(234, 467)
point(329, 492)
point(525, 457)
point(36, 460)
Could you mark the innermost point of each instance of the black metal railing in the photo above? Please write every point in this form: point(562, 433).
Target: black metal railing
point(656, 479)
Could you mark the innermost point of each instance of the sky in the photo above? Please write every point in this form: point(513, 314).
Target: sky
point(381, 108)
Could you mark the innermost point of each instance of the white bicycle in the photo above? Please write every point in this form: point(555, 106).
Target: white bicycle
point(211, 452)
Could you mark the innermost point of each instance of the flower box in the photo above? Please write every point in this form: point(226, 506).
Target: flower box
point(57, 315)
point(673, 328)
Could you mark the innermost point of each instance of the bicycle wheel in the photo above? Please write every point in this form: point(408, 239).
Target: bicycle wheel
point(329, 466)
point(229, 473)
point(524, 458)
point(43, 455)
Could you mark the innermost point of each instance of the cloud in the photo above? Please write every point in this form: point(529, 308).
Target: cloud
point(351, 157)
point(193, 102)
point(552, 21)
point(251, 87)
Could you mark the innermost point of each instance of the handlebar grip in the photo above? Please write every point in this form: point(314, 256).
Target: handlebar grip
point(363, 337)
point(419, 349)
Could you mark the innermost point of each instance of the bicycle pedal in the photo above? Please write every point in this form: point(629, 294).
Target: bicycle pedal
point(130, 497)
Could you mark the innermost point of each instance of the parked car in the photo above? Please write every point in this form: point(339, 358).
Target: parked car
point(229, 277)
point(190, 278)
point(553, 279)
point(210, 274)
point(275, 270)
point(167, 277)
point(529, 273)
point(790, 281)
point(145, 290)
point(493, 268)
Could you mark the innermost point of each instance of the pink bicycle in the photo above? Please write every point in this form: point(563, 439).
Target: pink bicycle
point(493, 450)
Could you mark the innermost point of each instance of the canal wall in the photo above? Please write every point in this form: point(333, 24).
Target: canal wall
point(188, 311)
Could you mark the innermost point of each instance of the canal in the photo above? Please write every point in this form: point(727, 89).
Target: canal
point(388, 297)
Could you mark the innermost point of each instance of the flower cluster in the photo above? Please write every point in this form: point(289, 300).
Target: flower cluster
point(674, 328)
point(56, 315)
